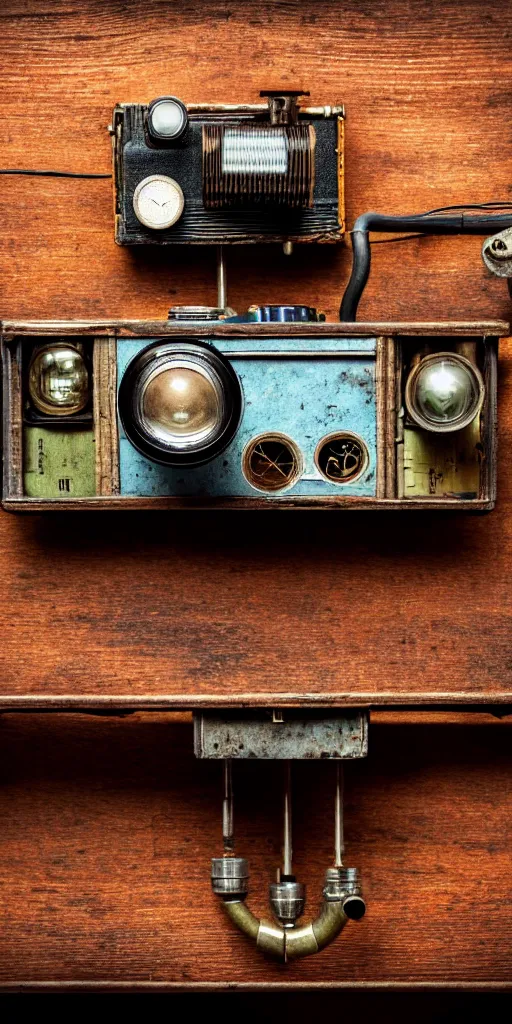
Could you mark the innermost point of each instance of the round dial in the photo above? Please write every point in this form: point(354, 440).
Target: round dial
point(158, 202)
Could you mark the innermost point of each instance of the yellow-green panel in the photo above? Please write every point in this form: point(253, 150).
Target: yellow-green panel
point(59, 463)
point(442, 465)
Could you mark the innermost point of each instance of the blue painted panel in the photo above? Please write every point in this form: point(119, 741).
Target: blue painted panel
point(305, 398)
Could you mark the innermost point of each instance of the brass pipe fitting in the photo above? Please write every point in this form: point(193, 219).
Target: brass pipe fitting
point(342, 900)
point(289, 943)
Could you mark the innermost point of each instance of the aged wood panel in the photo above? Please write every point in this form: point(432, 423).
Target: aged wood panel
point(108, 826)
point(217, 604)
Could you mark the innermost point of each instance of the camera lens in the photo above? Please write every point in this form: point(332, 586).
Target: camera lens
point(444, 392)
point(167, 119)
point(180, 403)
point(58, 380)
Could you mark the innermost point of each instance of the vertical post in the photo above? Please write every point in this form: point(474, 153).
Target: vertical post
point(287, 826)
point(228, 835)
point(222, 288)
point(339, 842)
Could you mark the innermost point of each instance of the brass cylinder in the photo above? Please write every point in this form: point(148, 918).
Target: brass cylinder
point(242, 917)
point(289, 943)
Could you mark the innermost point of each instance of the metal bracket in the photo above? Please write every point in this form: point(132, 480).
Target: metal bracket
point(291, 734)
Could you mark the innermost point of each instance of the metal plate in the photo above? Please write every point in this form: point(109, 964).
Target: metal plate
point(280, 735)
point(305, 388)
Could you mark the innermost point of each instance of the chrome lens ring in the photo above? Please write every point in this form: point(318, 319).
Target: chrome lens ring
point(440, 404)
point(180, 403)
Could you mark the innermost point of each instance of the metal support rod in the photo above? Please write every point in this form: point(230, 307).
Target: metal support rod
point(339, 842)
point(222, 288)
point(228, 835)
point(287, 827)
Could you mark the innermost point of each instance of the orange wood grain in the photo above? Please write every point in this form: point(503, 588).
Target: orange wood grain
point(108, 827)
point(214, 603)
point(108, 824)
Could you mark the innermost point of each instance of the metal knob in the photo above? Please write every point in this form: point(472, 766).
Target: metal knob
point(230, 876)
point(287, 900)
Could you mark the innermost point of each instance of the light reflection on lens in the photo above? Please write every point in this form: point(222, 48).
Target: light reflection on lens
point(182, 404)
point(167, 119)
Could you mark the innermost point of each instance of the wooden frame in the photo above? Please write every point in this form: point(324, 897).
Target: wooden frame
point(388, 399)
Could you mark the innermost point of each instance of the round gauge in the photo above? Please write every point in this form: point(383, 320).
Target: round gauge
point(272, 462)
point(158, 202)
point(342, 457)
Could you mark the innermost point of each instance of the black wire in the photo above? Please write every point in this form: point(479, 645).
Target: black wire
point(441, 209)
point(469, 206)
point(400, 238)
point(433, 222)
point(53, 174)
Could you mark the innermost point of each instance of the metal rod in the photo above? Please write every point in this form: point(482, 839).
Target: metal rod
point(228, 834)
point(222, 288)
point(287, 828)
point(339, 842)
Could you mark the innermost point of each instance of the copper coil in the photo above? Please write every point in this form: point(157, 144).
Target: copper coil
point(244, 165)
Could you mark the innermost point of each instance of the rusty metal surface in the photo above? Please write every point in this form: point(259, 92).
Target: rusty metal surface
point(281, 735)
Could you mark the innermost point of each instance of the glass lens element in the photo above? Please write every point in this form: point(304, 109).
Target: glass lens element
point(167, 118)
point(446, 391)
point(181, 405)
point(58, 381)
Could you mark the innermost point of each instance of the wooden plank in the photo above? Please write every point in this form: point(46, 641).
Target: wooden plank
point(105, 416)
point(208, 603)
point(99, 899)
point(156, 328)
point(12, 436)
point(92, 703)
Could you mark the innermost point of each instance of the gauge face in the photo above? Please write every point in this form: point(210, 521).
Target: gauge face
point(158, 202)
point(272, 462)
point(342, 457)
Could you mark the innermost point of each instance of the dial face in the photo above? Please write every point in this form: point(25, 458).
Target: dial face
point(158, 202)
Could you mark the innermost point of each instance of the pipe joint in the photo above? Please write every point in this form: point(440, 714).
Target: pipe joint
point(342, 901)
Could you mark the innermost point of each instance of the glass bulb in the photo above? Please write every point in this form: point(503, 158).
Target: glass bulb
point(444, 392)
point(167, 118)
point(181, 405)
point(58, 380)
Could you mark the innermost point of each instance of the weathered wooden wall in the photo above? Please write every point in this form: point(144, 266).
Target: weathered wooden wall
point(108, 827)
point(222, 604)
point(211, 604)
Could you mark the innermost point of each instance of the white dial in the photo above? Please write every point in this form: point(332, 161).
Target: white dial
point(158, 202)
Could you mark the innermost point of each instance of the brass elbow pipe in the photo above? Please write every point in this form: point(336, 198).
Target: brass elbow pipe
point(342, 901)
point(283, 938)
point(289, 943)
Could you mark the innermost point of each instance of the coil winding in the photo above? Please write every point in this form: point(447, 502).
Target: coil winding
point(258, 164)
